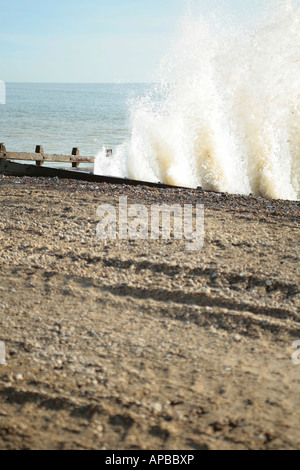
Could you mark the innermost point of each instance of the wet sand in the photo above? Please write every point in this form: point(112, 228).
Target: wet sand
point(128, 344)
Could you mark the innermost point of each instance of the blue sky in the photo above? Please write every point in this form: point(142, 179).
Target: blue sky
point(94, 40)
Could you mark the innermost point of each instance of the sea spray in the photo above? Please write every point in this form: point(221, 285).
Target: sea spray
point(228, 117)
point(108, 165)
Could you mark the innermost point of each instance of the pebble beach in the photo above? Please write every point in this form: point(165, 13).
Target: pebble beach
point(134, 344)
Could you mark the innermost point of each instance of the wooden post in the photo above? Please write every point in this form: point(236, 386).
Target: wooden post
point(75, 152)
point(39, 149)
point(2, 147)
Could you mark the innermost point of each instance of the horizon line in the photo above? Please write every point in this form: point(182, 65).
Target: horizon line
point(81, 83)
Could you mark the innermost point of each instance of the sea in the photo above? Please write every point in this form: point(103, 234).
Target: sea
point(61, 116)
point(224, 113)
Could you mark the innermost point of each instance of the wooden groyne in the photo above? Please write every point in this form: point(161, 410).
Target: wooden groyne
point(40, 157)
point(10, 167)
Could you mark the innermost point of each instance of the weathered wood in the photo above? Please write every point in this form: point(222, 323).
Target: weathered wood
point(2, 147)
point(75, 151)
point(39, 149)
point(45, 157)
point(20, 169)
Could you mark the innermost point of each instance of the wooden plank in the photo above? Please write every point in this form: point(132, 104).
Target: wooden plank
point(35, 157)
point(20, 169)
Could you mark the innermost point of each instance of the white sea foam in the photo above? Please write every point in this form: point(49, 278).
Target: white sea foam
point(108, 165)
point(229, 116)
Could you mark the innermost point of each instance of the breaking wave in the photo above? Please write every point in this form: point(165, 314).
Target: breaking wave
point(228, 113)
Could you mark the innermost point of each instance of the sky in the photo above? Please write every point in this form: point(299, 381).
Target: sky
point(95, 41)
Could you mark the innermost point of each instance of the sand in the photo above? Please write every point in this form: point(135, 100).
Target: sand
point(143, 344)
